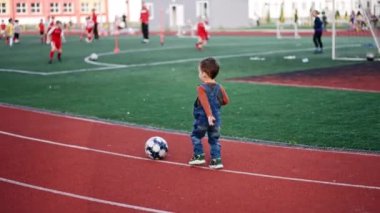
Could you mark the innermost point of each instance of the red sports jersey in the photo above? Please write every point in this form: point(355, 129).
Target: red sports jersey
point(89, 26)
point(94, 17)
point(144, 15)
point(56, 35)
point(41, 26)
point(201, 30)
point(3, 26)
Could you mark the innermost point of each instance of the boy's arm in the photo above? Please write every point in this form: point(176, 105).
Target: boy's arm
point(225, 99)
point(202, 96)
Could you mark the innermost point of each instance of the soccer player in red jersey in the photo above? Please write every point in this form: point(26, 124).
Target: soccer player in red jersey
point(57, 36)
point(144, 18)
point(202, 34)
point(2, 29)
point(41, 27)
point(95, 21)
point(89, 29)
point(50, 25)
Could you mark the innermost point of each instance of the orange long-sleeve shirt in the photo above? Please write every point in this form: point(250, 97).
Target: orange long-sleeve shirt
point(202, 97)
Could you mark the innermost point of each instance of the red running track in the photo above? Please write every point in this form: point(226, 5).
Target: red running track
point(55, 163)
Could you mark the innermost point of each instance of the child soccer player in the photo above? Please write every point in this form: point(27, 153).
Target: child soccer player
point(2, 29)
point(41, 27)
point(89, 29)
point(49, 26)
point(318, 30)
point(211, 96)
point(17, 30)
point(57, 36)
point(9, 31)
point(202, 34)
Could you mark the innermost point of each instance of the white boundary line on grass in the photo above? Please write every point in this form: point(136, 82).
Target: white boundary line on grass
point(109, 66)
point(81, 197)
point(186, 165)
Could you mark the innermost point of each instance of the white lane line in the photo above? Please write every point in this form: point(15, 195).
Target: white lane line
point(186, 165)
point(168, 131)
point(81, 197)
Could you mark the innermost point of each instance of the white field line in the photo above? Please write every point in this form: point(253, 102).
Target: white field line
point(147, 128)
point(108, 66)
point(112, 66)
point(81, 197)
point(303, 180)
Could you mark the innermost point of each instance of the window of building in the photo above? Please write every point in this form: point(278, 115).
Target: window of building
point(68, 7)
point(54, 7)
point(98, 6)
point(35, 7)
point(84, 7)
point(21, 7)
point(203, 9)
point(3, 8)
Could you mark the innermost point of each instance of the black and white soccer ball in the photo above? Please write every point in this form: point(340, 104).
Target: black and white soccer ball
point(156, 148)
point(370, 57)
point(93, 57)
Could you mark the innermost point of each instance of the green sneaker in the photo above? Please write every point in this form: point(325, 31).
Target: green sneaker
point(197, 160)
point(216, 163)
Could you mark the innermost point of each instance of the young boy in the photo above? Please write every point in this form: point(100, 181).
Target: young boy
point(211, 96)
point(57, 36)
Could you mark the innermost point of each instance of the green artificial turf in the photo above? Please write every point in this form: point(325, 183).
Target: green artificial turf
point(161, 95)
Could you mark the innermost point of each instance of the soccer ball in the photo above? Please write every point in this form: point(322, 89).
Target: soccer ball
point(93, 57)
point(156, 148)
point(370, 57)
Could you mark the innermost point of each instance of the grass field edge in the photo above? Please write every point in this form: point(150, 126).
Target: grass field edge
point(181, 132)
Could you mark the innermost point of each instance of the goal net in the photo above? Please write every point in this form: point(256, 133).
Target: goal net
point(356, 36)
point(287, 30)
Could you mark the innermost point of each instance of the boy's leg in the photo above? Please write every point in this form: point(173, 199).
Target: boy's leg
point(213, 139)
point(196, 138)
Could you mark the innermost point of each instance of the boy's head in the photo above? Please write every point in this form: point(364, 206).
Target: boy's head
point(209, 67)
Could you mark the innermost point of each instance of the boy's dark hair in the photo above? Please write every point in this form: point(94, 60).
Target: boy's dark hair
point(209, 66)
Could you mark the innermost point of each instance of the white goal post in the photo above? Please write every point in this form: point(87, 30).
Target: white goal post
point(356, 37)
point(287, 30)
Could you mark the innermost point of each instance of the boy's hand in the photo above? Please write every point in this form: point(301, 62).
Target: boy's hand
point(211, 120)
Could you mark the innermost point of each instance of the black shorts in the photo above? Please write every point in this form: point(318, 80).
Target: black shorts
point(42, 32)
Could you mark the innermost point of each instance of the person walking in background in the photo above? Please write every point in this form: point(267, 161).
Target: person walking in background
point(318, 30)
point(17, 32)
point(95, 21)
point(9, 32)
point(144, 18)
point(41, 27)
point(324, 21)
